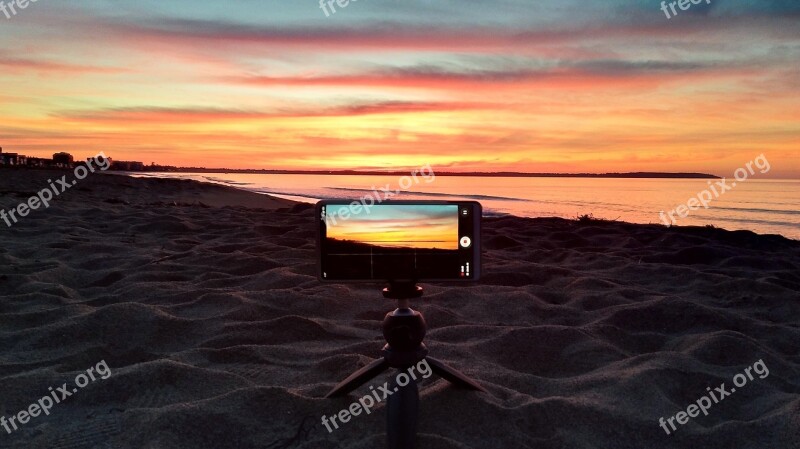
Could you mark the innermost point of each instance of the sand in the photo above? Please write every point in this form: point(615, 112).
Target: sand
point(218, 335)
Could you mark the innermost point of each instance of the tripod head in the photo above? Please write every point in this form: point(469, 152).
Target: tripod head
point(404, 328)
point(402, 290)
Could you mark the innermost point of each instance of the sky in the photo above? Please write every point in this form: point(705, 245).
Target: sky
point(463, 85)
point(405, 226)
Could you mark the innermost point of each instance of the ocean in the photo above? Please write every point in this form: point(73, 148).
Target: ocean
point(762, 206)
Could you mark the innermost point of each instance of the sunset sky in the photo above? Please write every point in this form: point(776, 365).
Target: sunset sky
point(524, 85)
point(434, 227)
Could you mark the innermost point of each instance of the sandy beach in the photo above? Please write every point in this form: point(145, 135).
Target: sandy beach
point(203, 303)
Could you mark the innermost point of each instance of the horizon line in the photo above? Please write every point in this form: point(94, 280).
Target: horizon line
point(497, 174)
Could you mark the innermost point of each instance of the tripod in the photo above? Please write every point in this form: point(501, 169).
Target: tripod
point(404, 330)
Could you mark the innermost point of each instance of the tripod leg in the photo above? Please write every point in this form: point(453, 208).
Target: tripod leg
point(453, 376)
point(402, 410)
point(359, 378)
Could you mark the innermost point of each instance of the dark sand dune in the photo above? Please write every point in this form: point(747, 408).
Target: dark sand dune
point(218, 335)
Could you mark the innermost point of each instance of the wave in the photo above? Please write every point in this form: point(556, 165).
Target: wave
point(438, 195)
point(227, 182)
point(712, 219)
point(758, 210)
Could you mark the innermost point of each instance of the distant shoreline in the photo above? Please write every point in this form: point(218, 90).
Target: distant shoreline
point(170, 169)
point(631, 175)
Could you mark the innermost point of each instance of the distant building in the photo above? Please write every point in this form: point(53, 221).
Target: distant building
point(108, 160)
point(39, 162)
point(127, 165)
point(59, 160)
point(63, 159)
point(12, 159)
point(7, 158)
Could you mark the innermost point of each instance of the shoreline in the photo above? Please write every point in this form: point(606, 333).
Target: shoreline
point(631, 175)
point(190, 192)
point(488, 212)
point(502, 174)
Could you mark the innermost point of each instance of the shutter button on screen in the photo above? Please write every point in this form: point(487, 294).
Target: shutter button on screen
point(465, 242)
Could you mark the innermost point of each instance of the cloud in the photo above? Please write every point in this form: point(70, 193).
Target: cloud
point(13, 64)
point(568, 74)
point(400, 37)
point(163, 115)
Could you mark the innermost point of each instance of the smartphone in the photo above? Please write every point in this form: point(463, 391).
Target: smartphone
point(399, 241)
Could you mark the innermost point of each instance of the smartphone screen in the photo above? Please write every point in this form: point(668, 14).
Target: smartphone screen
point(399, 241)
